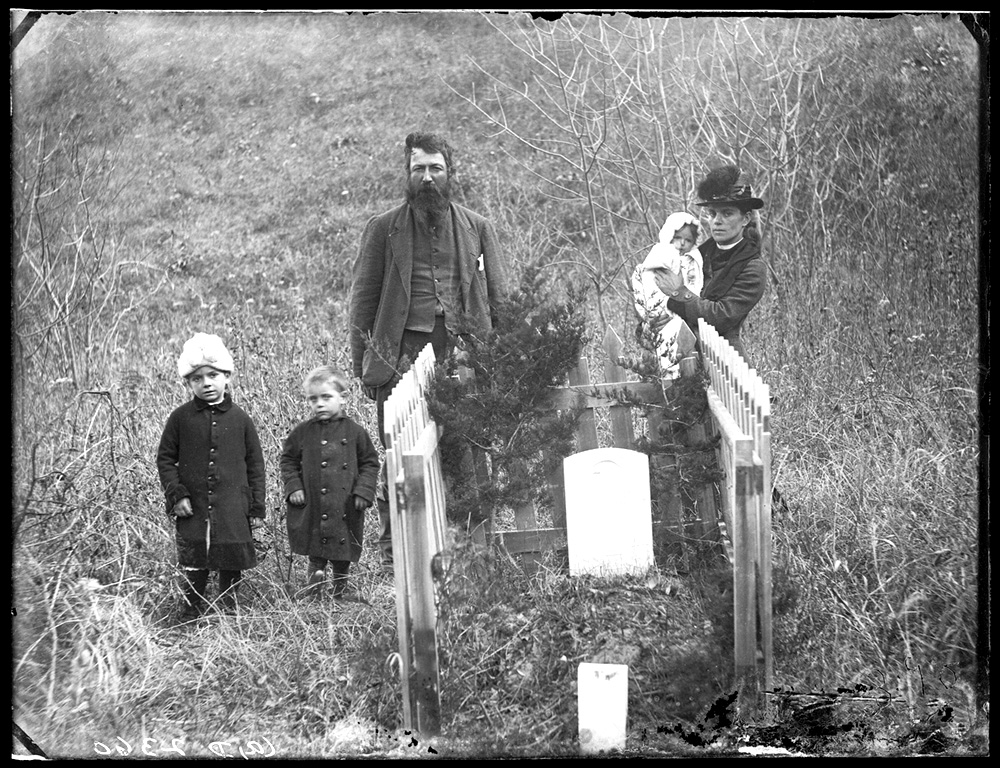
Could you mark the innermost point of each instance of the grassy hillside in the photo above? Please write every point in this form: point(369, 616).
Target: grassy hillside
point(176, 173)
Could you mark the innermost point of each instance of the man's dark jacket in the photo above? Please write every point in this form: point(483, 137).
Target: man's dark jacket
point(380, 296)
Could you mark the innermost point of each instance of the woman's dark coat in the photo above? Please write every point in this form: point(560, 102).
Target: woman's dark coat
point(211, 454)
point(734, 283)
point(332, 462)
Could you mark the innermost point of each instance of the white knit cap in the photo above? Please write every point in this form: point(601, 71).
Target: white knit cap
point(204, 349)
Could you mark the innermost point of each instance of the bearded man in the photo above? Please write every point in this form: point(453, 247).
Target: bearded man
point(427, 271)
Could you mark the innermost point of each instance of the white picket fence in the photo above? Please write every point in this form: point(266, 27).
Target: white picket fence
point(417, 510)
point(740, 405)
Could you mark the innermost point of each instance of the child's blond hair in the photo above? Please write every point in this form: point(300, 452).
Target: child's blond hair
point(326, 374)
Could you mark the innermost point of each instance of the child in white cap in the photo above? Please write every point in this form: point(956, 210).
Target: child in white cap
point(211, 467)
point(677, 252)
point(329, 468)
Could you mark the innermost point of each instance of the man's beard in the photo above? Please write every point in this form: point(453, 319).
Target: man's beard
point(430, 199)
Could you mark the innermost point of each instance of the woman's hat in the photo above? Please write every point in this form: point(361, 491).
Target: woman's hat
point(727, 184)
point(204, 349)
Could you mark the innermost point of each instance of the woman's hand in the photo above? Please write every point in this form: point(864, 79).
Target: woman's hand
point(297, 498)
point(667, 281)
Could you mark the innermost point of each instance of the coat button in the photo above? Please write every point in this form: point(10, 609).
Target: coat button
point(323, 463)
point(324, 517)
point(324, 541)
point(323, 442)
point(322, 490)
point(342, 541)
point(344, 466)
point(343, 441)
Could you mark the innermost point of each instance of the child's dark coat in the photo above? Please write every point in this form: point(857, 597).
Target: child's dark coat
point(331, 461)
point(212, 455)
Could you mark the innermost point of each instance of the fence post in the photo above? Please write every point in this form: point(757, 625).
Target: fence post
point(745, 593)
point(426, 697)
point(526, 520)
point(705, 509)
point(586, 437)
point(622, 433)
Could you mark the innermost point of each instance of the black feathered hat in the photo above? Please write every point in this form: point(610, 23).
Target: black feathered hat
point(727, 184)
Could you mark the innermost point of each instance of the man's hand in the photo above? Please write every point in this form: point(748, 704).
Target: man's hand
point(183, 508)
point(297, 498)
point(360, 504)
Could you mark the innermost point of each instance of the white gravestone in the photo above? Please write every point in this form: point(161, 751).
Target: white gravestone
point(602, 699)
point(608, 521)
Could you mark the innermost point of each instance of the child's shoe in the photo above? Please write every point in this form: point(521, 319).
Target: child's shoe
point(190, 611)
point(229, 582)
point(195, 603)
point(228, 601)
point(314, 587)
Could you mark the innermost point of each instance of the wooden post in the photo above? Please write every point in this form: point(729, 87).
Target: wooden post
point(426, 696)
point(475, 464)
point(400, 548)
point(622, 433)
point(586, 438)
point(586, 430)
point(525, 520)
point(762, 400)
point(706, 512)
point(745, 594)
point(670, 501)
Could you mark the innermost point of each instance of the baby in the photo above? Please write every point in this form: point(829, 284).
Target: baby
point(676, 252)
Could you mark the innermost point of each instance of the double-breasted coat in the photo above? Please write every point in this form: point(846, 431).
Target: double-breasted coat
point(212, 455)
point(331, 461)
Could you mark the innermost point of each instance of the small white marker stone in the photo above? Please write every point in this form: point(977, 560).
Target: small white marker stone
point(603, 707)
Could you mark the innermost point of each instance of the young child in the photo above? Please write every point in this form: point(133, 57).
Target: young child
point(675, 251)
point(329, 467)
point(211, 468)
